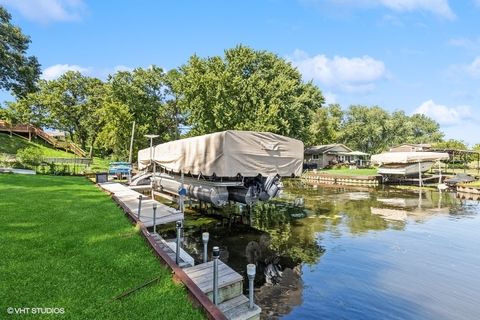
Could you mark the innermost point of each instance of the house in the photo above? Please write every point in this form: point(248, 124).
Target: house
point(329, 154)
point(411, 147)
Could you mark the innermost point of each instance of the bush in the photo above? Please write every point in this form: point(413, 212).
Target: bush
point(30, 157)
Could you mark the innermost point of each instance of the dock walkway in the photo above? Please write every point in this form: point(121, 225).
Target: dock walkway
point(129, 198)
point(232, 303)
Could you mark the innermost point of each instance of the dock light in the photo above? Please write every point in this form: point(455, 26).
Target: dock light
point(216, 255)
point(205, 237)
point(251, 270)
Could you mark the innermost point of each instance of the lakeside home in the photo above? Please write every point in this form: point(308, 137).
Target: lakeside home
point(319, 157)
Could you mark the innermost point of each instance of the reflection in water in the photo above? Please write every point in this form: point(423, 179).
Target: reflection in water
point(368, 253)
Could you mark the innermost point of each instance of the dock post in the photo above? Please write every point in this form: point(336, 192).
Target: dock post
point(179, 231)
point(251, 276)
point(139, 206)
point(205, 237)
point(216, 255)
point(154, 217)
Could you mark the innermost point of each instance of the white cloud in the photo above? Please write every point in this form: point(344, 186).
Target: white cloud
point(357, 74)
point(444, 115)
point(470, 44)
point(45, 11)
point(472, 69)
point(438, 7)
point(55, 71)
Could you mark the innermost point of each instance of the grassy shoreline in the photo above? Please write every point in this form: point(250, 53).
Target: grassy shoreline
point(65, 244)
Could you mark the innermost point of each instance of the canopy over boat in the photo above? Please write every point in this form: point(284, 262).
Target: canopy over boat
point(229, 153)
point(408, 157)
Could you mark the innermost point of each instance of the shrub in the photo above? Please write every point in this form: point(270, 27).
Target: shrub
point(31, 156)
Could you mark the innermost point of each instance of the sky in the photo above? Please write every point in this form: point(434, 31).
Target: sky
point(419, 56)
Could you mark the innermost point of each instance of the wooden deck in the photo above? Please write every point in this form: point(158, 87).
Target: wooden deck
point(129, 198)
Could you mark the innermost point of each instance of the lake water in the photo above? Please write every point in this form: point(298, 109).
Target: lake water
point(334, 253)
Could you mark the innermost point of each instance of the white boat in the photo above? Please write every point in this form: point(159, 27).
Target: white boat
point(404, 169)
point(406, 163)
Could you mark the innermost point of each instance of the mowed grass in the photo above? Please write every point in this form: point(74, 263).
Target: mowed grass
point(65, 244)
point(351, 172)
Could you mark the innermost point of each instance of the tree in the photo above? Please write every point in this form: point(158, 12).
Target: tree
point(365, 128)
point(18, 72)
point(69, 103)
point(326, 125)
point(143, 95)
point(451, 144)
point(246, 90)
point(423, 130)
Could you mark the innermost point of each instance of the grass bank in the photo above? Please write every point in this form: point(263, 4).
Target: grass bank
point(65, 244)
point(11, 144)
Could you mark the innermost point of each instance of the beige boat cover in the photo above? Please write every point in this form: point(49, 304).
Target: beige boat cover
point(408, 157)
point(229, 153)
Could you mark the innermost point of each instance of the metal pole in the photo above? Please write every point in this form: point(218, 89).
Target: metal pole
point(151, 149)
point(154, 218)
point(179, 231)
point(182, 196)
point(251, 277)
point(205, 237)
point(216, 255)
point(440, 172)
point(419, 175)
point(139, 206)
point(131, 143)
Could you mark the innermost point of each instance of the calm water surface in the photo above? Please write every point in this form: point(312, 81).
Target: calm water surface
point(333, 253)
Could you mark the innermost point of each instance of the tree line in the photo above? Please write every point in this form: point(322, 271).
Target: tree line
point(245, 89)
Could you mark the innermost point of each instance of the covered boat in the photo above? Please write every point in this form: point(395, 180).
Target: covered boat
point(406, 163)
point(242, 166)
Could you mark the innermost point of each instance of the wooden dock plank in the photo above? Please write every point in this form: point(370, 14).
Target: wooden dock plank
point(202, 275)
point(129, 198)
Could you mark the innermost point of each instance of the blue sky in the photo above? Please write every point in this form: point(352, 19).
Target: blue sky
point(414, 55)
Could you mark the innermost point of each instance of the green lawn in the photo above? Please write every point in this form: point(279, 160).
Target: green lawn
point(65, 244)
point(351, 172)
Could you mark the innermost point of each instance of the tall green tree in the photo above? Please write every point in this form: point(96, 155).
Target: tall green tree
point(18, 71)
point(143, 96)
point(326, 125)
point(365, 128)
point(246, 90)
point(69, 103)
